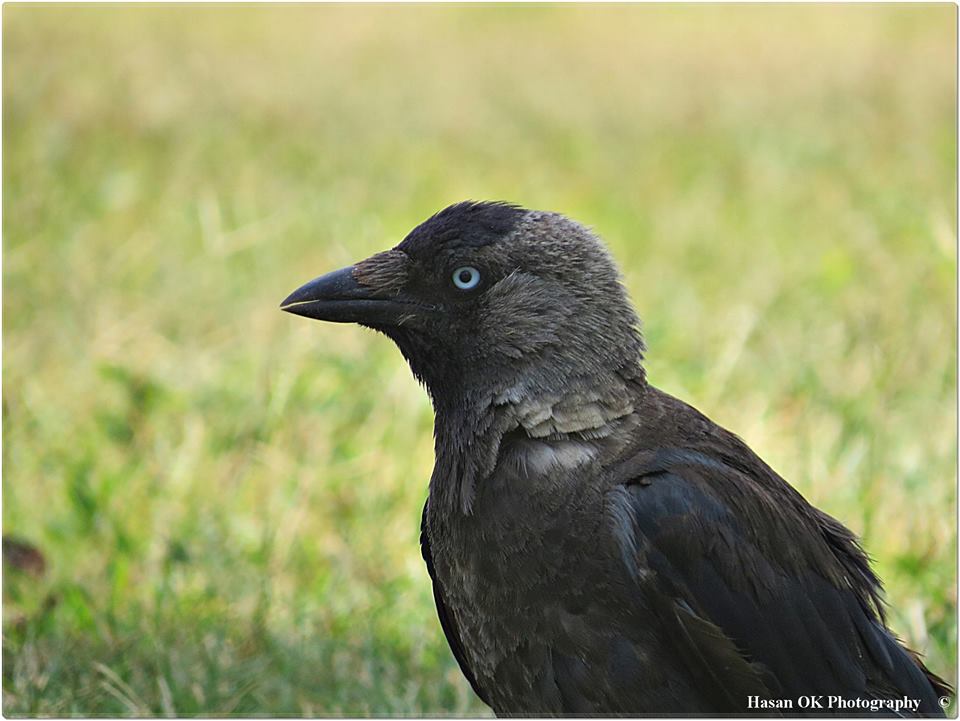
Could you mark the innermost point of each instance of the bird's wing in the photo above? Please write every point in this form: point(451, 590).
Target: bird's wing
point(447, 620)
point(764, 594)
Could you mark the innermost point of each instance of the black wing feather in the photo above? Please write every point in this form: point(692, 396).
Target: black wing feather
point(790, 590)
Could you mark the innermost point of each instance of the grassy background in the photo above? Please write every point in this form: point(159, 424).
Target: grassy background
point(228, 497)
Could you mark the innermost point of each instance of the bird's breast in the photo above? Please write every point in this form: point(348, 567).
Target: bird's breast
point(509, 570)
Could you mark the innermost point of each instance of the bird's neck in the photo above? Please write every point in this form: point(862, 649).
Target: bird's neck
point(470, 427)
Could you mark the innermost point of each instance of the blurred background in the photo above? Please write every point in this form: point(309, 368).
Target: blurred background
point(210, 506)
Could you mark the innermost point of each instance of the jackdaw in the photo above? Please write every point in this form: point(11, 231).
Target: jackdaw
point(597, 546)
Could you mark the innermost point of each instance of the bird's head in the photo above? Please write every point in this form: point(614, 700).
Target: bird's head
point(489, 298)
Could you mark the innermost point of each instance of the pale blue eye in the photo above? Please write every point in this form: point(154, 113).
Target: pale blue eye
point(466, 277)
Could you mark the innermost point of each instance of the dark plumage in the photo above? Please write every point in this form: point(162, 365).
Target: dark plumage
point(597, 546)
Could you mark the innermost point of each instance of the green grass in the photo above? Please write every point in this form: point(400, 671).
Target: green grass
point(228, 497)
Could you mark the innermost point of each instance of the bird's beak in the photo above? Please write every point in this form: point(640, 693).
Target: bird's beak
point(337, 297)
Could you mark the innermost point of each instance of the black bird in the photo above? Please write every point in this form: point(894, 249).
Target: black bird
point(597, 546)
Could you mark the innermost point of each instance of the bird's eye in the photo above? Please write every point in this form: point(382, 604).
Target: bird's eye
point(466, 278)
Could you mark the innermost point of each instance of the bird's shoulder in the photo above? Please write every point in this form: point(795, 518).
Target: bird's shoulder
point(727, 551)
point(681, 467)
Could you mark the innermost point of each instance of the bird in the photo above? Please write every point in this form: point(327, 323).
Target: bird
point(595, 545)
